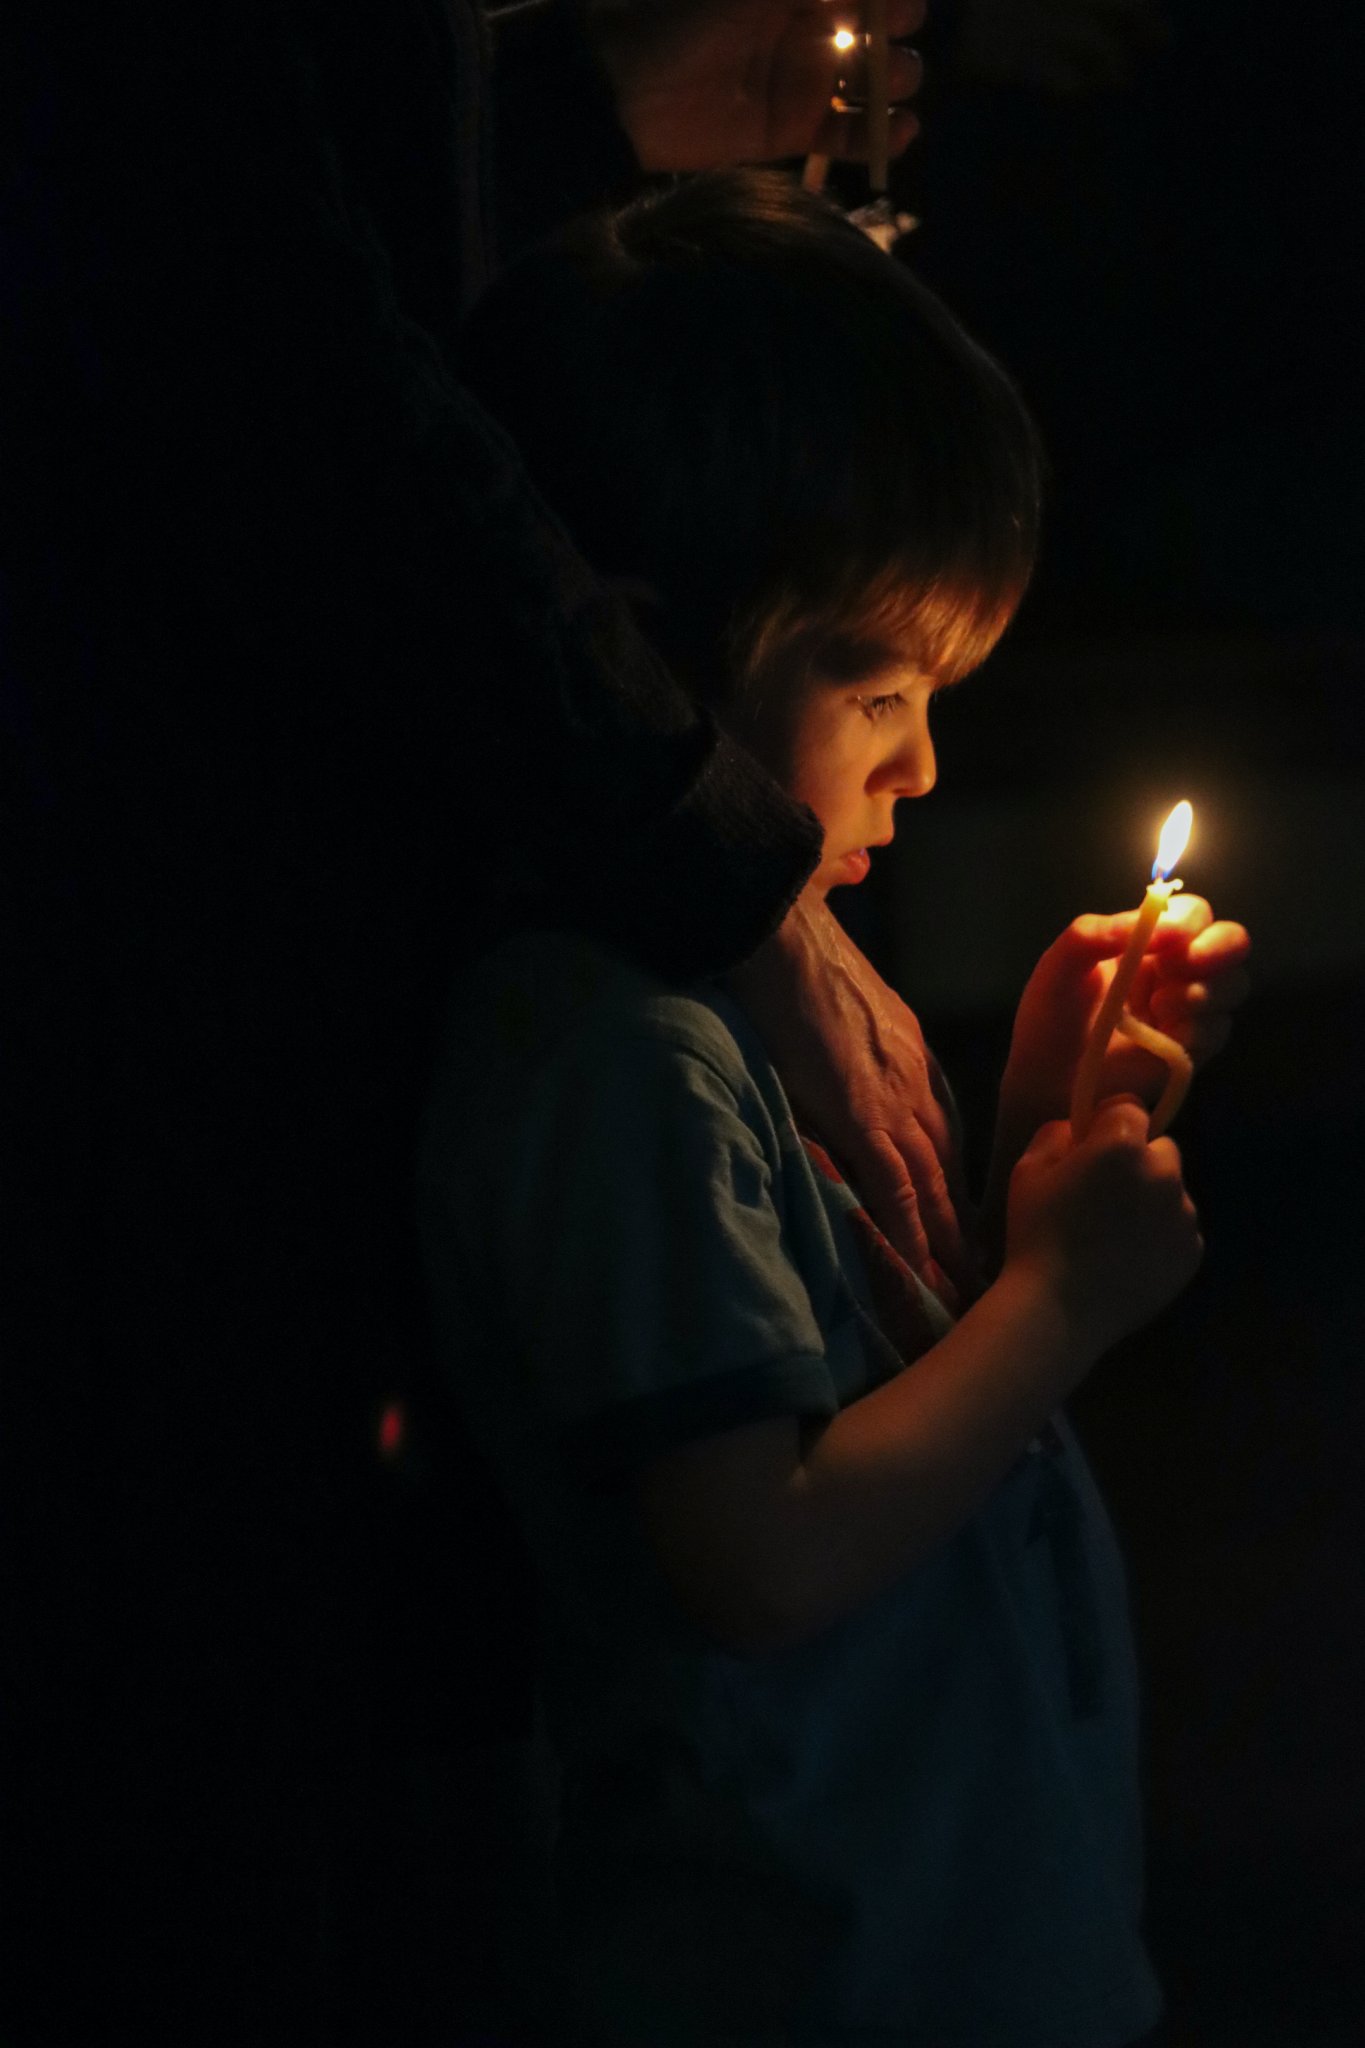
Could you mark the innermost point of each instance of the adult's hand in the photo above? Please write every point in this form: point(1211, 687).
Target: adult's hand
point(701, 83)
point(852, 1058)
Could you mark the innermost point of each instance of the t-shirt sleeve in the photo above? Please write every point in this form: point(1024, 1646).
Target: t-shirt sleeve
point(653, 1297)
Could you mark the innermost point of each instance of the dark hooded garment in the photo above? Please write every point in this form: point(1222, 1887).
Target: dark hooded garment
point(305, 697)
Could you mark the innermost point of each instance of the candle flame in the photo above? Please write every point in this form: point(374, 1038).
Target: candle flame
point(844, 39)
point(1175, 837)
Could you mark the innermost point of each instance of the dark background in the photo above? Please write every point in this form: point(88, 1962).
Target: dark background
point(1171, 271)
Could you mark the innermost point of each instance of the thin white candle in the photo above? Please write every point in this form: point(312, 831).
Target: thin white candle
point(1113, 1017)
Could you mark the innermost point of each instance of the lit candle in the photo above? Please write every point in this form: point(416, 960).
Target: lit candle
point(877, 102)
point(1175, 834)
point(817, 163)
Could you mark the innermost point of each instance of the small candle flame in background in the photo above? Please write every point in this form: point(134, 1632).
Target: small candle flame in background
point(1175, 837)
point(870, 95)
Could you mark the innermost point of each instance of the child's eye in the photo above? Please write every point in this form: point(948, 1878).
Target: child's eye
point(877, 707)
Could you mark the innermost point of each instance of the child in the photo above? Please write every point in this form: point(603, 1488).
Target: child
point(837, 1667)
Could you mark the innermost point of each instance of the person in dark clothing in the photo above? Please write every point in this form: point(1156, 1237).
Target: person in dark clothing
point(287, 646)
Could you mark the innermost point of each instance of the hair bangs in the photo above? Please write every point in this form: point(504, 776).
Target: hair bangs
point(941, 616)
point(947, 622)
point(903, 511)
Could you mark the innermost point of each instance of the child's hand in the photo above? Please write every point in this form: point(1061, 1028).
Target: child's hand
point(1193, 977)
point(700, 83)
point(1107, 1222)
point(1191, 980)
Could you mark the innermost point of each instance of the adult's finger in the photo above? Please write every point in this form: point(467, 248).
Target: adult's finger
point(888, 1193)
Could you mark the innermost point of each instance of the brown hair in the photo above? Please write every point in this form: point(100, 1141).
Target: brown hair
point(737, 402)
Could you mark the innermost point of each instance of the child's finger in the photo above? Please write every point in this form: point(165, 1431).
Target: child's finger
point(1049, 1143)
point(1086, 943)
point(1129, 1069)
point(1098, 935)
point(1119, 1120)
point(1059, 1002)
point(1184, 917)
point(1173, 1003)
point(1188, 950)
point(1196, 1016)
point(1210, 951)
point(1223, 942)
point(1172, 1000)
point(1201, 1035)
point(1178, 1007)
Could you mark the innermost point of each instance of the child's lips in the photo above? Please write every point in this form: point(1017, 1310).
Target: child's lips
point(856, 864)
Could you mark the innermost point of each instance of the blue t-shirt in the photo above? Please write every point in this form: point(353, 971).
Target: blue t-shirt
point(922, 1825)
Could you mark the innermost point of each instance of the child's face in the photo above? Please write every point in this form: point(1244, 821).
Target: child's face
point(850, 749)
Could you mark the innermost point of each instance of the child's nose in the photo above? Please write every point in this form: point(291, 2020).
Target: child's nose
point(913, 771)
